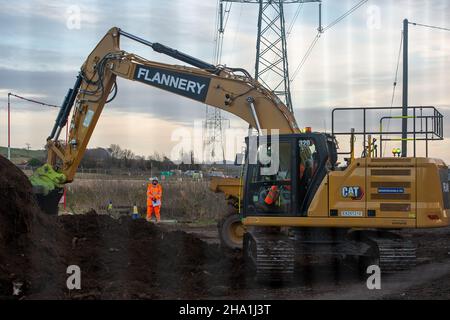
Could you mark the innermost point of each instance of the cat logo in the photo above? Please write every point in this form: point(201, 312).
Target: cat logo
point(353, 192)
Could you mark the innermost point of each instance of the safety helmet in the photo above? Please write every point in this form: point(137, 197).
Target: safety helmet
point(155, 179)
point(396, 151)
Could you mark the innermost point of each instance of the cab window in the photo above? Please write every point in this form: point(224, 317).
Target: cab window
point(308, 160)
point(271, 193)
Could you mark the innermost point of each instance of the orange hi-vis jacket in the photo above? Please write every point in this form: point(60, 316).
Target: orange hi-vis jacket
point(153, 193)
point(272, 195)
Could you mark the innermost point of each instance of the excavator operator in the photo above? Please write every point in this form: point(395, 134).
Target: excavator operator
point(276, 197)
point(307, 167)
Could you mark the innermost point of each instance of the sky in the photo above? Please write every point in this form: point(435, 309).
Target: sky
point(44, 43)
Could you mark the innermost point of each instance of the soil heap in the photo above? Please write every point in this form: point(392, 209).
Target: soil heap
point(119, 259)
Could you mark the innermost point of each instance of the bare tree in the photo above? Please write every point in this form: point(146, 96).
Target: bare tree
point(116, 151)
point(156, 156)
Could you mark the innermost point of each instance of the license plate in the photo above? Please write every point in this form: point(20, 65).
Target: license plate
point(351, 213)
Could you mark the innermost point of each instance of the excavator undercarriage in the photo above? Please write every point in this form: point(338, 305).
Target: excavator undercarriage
point(271, 253)
point(275, 255)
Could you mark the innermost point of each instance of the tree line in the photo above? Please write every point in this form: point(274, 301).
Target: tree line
point(115, 157)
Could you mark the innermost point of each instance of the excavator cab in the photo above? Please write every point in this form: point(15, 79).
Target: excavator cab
point(283, 172)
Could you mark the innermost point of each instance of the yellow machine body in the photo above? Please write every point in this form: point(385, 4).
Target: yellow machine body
point(390, 193)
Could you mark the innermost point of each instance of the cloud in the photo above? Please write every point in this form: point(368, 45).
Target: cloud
point(58, 11)
point(52, 85)
point(26, 59)
point(351, 64)
point(133, 97)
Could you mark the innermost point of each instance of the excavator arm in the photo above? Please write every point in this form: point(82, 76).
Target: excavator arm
point(230, 89)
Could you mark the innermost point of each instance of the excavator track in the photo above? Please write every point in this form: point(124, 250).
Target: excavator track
point(394, 254)
point(272, 256)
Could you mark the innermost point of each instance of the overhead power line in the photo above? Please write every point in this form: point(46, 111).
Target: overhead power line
point(428, 26)
point(305, 57)
point(396, 70)
point(221, 24)
point(34, 101)
point(296, 14)
point(317, 37)
point(394, 87)
point(345, 15)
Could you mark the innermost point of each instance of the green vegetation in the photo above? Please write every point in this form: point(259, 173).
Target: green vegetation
point(184, 200)
point(23, 155)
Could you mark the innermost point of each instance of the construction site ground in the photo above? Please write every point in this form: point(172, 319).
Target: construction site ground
point(133, 259)
point(333, 280)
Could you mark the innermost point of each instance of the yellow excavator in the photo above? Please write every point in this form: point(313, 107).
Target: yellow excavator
point(292, 198)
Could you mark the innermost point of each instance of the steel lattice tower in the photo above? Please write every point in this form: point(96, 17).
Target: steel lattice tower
point(213, 139)
point(214, 121)
point(271, 66)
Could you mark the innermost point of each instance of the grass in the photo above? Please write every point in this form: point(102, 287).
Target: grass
point(20, 155)
point(185, 200)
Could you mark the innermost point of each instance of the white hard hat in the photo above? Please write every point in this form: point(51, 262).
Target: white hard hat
point(155, 179)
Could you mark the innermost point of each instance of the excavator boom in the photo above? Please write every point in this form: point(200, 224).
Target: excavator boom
point(230, 89)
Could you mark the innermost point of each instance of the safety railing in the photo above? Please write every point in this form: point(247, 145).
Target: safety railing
point(425, 123)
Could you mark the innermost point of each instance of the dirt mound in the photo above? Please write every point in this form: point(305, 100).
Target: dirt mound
point(118, 258)
point(17, 205)
point(135, 259)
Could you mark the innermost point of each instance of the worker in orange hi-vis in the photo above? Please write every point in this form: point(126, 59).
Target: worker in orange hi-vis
point(154, 194)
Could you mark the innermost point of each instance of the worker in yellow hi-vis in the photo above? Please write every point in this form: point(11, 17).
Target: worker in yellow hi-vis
point(135, 214)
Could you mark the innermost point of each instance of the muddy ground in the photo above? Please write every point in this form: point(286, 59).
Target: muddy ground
point(430, 279)
point(134, 259)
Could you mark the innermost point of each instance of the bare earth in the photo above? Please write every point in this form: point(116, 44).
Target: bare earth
point(429, 280)
point(133, 259)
